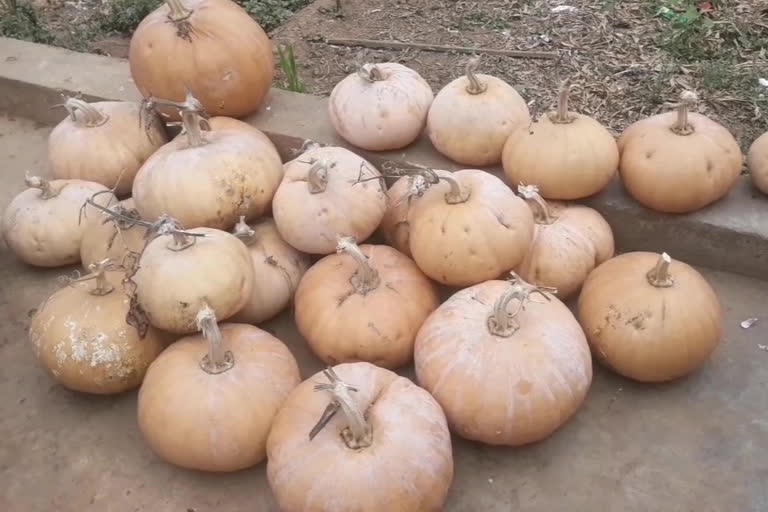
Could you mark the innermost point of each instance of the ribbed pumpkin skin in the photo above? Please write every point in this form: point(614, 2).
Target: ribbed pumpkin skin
point(503, 390)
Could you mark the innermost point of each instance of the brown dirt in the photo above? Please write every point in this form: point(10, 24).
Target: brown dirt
point(612, 50)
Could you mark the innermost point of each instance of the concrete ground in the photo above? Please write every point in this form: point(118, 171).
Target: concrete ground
point(697, 445)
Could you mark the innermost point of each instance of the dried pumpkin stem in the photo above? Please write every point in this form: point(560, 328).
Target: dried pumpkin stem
point(178, 11)
point(457, 194)
point(366, 278)
point(191, 121)
point(102, 285)
point(541, 212)
point(170, 226)
point(358, 433)
point(371, 72)
point(244, 232)
point(317, 176)
point(89, 117)
point(682, 126)
point(501, 322)
point(562, 116)
point(659, 275)
point(217, 360)
point(47, 191)
point(475, 86)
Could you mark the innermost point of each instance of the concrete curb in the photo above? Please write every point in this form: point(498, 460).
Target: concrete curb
point(730, 235)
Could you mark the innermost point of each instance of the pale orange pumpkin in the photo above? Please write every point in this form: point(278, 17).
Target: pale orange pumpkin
point(277, 268)
point(212, 47)
point(44, 224)
point(570, 240)
point(325, 193)
point(387, 448)
point(115, 238)
point(468, 228)
point(209, 178)
point(650, 318)
point(381, 106)
point(504, 374)
point(208, 401)
point(394, 225)
point(678, 162)
point(757, 162)
point(105, 142)
point(472, 117)
point(81, 338)
point(364, 304)
point(566, 154)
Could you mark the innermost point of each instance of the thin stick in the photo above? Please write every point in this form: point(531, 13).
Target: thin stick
point(396, 45)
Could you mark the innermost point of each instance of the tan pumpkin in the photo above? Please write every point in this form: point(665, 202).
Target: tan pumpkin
point(400, 196)
point(472, 117)
point(178, 272)
point(117, 239)
point(105, 142)
point(44, 224)
point(566, 154)
point(468, 228)
point(277, 266)
point(570, 240)
point(208, 401)
point(364, 304)
point(209, 178)
point(81, 338)
point(328, 192)
point(757, 162)
point(504, 374)
point(381, 106)
point(387, 448)
point(679, 162)
point(650, 318)
point(212, 47)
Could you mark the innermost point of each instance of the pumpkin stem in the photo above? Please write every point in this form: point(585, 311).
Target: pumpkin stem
point(457, 194)
point(682, 126)
point(475, 86)
point(366, 278)
point(358, 433)
point(541, 212)
point(561, 115)
point(504, 324)
point(99, 268)
point(47, 191)
point(178, 11)
point(659, 275)
point(371, 72)
point(169, 226)
point(317, 177)
point(191, 121)
point(244, 232)
point(91, 116)
point(217, 360)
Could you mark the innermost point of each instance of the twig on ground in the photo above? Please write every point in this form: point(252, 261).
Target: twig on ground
point(396, 45)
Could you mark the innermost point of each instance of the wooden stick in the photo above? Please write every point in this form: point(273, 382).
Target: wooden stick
point(395, 45)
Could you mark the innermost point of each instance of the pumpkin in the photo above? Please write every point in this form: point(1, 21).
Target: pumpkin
point(209, 178)
point(506, 369)
point(649, 318)
point(278, 268)
point(212, 47)
point(81, 338)
point(44, 224)
point(380, 107)
point(468, 228)
point(208, 401)
point(368, 440)
point(364, 304)
point(472, 117)
point(394, 225)
point(678, 162)
point(107, 236)
point(757, 162)
point(179, 270)
point(568, 155)
point(105, 142)
point(325, 193)
point(569, 241)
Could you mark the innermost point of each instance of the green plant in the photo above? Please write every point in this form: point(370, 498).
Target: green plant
point(291, 80)
point(123, 16)
point(272, 13)
point(20, 21)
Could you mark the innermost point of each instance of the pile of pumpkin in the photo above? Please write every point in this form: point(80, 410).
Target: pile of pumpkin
point(219, 236)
